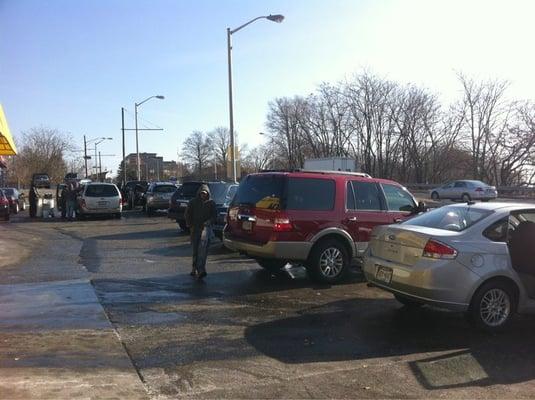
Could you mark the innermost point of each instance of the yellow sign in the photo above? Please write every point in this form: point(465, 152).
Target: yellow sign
point(7, 144)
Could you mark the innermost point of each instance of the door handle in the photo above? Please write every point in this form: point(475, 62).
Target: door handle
point(352, 219)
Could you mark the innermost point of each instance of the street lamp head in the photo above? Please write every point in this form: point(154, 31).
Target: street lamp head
point(160, 97)
point(109, 138)
point(276, 18)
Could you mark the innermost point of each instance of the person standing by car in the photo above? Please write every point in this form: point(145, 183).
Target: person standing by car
point(70, 200)
point(200, 215)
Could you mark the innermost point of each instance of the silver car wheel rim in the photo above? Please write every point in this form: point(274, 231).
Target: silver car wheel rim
point(331, 262)
point(495, 307)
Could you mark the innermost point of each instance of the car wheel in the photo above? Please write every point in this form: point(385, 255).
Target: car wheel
point(270, 264)
point(17, 209)
point(466, 198)
point(408, 302)
point(435, 196)
point(183, 226)
point(328, 262)
point(493, 306)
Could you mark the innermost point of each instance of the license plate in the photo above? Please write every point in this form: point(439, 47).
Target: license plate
point(247, 225)
point(383, 274)
point(102, 204)
point(183, 205)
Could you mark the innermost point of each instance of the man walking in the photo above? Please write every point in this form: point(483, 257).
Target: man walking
point(200, 215)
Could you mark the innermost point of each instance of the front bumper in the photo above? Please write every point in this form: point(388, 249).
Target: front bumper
point(293, 251)
point(443, 283)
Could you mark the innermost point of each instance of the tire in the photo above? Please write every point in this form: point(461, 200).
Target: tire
point(466, 198)
point(501, 298)
point(435, 196)
point(271, 264)
point(182, 225)
point(328, 262)
point(408, 302)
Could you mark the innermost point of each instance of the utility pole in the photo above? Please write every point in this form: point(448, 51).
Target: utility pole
point(85, 156)
point(124, 156)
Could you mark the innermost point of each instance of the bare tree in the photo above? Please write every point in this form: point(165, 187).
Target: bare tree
point(220, 137)
point(42, 149)
point(197, 150)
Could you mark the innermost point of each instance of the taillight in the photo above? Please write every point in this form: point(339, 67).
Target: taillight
point(479, 189)
point(436, 249)
point(282, 224)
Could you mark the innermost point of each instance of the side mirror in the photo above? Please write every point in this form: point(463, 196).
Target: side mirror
point(421, 207)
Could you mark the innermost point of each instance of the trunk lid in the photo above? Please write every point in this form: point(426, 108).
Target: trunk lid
point(403, 244)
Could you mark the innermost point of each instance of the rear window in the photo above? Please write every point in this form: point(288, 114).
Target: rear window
point(450, 218)
point(164, 189)
point(261, 191)
point(310, 194)
point(189, 189)
point(101, 191)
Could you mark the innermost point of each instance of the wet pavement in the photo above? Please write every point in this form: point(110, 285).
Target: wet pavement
point(108, 306)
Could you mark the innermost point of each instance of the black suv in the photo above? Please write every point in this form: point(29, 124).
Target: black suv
point(132, 193)
point(41, 180)
point(188, 190)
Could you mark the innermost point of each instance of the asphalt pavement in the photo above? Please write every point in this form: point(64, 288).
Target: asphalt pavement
point(106, 308)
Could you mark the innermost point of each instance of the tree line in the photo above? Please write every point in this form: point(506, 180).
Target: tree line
point(395, 131)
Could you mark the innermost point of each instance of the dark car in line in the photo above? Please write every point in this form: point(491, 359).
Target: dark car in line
point(132, 193)
point(17, 200)
point(319, 219)
point(41, 180)
point(5, 209)
point(188, 190)
point(222, 210)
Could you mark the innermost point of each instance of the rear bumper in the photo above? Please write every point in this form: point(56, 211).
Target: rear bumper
point(100, 211)
point(294, 251)
point(158, 205)
point(442, 283)
point(484, 196)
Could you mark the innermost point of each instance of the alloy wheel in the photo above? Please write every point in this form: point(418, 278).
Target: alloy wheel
point(495, 307)
point(331, 262)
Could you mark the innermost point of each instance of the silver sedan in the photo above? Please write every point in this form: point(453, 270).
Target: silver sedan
point(474, 258)
point(465, 190)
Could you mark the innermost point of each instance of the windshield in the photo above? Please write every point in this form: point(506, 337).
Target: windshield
point(101, 191)
point(189, 189)
point(450, 218)
point(218, 192)
point(261, 191)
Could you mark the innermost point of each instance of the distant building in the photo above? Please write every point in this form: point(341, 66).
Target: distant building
point(153, 166)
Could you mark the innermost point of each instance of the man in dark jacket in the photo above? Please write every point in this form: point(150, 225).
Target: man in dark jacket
point(200, 215)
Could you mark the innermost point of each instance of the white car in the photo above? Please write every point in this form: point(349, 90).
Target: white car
point(100, 199)
point(475, 258)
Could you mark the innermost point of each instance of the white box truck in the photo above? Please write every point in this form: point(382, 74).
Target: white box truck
point(331, 164)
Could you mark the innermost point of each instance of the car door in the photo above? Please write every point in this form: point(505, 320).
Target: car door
point(446, 191)
point(401, 205)
point(459, 188)
point(520, 237)
point(364, 211)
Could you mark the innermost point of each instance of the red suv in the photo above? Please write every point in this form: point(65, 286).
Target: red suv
point(321, 219)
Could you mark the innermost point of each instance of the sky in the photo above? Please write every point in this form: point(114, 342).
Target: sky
point(71, 65)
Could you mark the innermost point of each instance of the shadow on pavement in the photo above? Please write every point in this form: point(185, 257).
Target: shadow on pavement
point(376, 328)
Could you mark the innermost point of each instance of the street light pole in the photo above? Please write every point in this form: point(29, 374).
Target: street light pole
point(85, 156)
point(274, 18)
point(136, 105)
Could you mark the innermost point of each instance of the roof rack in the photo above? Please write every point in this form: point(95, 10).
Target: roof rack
point(361, 174)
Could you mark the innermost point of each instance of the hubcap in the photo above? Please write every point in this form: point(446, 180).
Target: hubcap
point(331, 262)
point(495, 307)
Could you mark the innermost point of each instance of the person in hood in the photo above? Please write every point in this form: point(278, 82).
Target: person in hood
point(200, 216)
